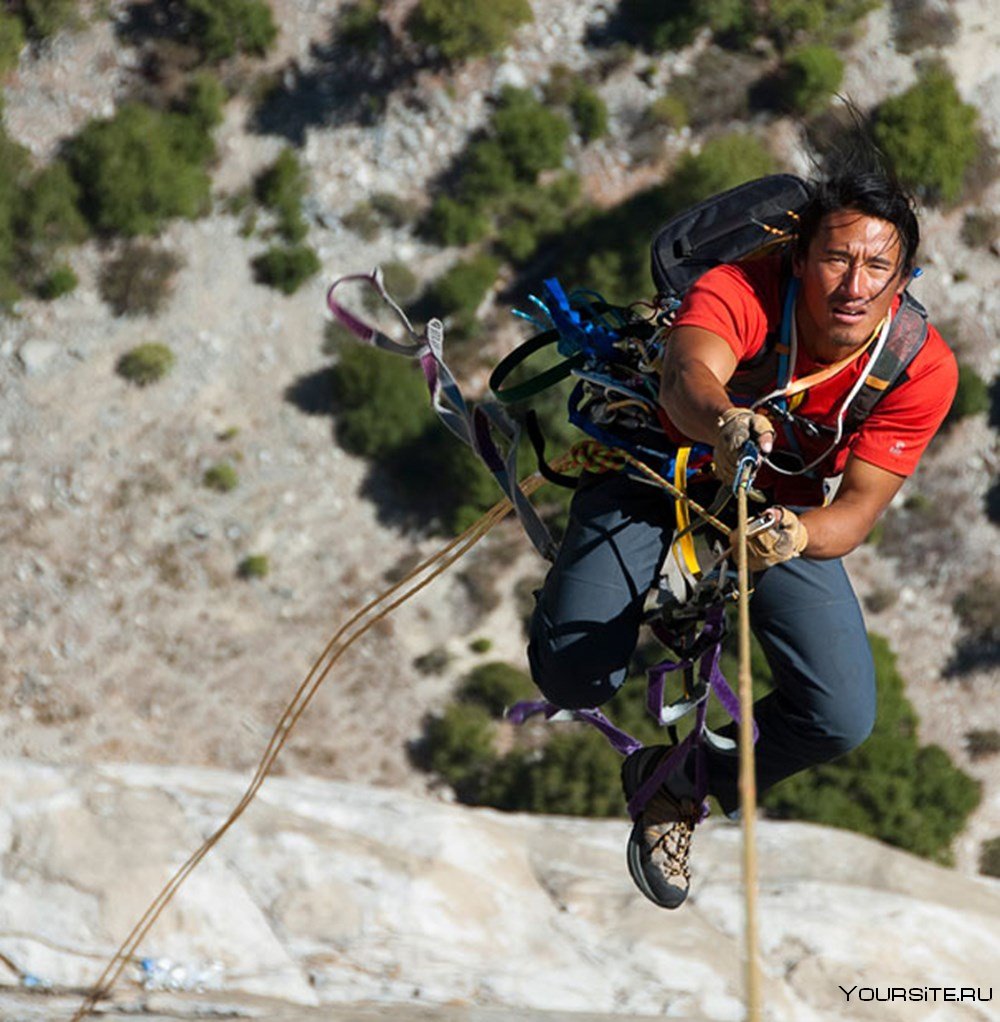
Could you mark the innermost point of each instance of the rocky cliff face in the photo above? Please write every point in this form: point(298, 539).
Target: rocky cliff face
point(333, 894)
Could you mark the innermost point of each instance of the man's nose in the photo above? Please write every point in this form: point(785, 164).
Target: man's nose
point(852, 282)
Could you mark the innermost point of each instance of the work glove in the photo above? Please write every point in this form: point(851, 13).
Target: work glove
point(781, 542)
point(736, 427)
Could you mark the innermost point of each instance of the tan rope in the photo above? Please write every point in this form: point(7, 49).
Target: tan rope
point(589, 454)
point(365, 619)
point(748, 783)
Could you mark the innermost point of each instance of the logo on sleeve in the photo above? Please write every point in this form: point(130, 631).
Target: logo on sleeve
point(897, 448)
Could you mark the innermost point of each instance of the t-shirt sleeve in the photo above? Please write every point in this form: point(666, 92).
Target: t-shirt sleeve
point(728, 301)
point(898, 431)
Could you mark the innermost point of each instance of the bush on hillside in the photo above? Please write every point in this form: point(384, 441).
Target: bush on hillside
point(930, 135)
point(460, 29)
point(920, 23)
point(221, 477)
point(981, 228)
point(281, 188)
point(531, 137)
point(496, 686)
point(61, 280)
point(11, 42)
point(590, 112)
point(459, 291)
point(135, 171)
point(976, 608)
point(286, 267)
point(989, 857)
point(972, 395)
point(137, 281)
point(359, 27)
point(254, 566)
point(810, 76)
point(224, 28)
point(380, 401)
point(533, 214)
point(145, 364)
point(982, 743)
point(49, 213)
point(44, 18)
point(16, 163)
point(669, 26)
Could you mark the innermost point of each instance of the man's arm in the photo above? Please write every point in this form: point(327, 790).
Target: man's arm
point(865, 492)
point(696, 366)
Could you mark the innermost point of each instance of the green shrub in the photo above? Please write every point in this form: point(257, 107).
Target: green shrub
point(60, 281)
point(451, 222)
point(254, 566)
point(590, 113)
point(460, 29)
point(659, 26)
point(533, 214)
point(723, 163)
point(972, 395)
point(203, 105)
point(221, 477)
point(463, 487)
point(286, 267)
point(981, 228)
point(481, 645)
point(460, 290)
point(976, 608)
point(435, 661)
point(380, 401)
point(811, 75)
point(487, 173)
point(400, 281)
point(667, 112)
point(891, 787)
point(532, 137)
point(281, 187)
point(496, 686)
point(358, 26)
point(929, 135)
point(881, 599)
point(137, 281)
point(459, 744)
point(920, 23)
point(363, 221)
point(223, 28)
point(135, 171)
point(717, 89)
point(44, 18)
point(982, 743)
point(11, 42)
point(393, 210)
point(49, 213)
point(145, 364)
point(989, 857)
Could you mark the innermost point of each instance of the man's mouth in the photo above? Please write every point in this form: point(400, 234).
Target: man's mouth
point(847, 314)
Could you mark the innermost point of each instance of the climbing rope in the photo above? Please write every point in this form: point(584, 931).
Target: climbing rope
point(747, 778)
point(361, 622)
point(588, 454)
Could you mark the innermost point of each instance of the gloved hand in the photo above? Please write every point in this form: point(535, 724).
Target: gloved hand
point(736, 427)
point(781, 542)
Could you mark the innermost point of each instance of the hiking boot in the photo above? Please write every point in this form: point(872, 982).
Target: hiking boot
point(660, 842)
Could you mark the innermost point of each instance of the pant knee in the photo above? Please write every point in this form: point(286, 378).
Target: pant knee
point(564, 672)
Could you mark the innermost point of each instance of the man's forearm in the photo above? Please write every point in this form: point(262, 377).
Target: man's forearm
point(835, 530)
point(694, 399)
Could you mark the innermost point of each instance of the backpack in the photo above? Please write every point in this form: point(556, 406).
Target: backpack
point(616, 354)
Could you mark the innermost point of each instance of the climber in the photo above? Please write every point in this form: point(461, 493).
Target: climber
point(775, 349)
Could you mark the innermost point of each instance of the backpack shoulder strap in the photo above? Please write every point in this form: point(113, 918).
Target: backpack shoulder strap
point(906, 337)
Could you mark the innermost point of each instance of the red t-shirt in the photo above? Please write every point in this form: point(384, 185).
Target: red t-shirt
point(741, 303)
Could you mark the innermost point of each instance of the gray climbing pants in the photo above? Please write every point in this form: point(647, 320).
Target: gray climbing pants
point(804, 613)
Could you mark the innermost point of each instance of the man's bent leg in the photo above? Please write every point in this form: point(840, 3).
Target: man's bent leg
point(807, 619)
point(586, 622)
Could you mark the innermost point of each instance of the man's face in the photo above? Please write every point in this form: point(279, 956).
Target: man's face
point(849, 278)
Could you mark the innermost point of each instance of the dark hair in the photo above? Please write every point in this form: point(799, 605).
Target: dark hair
point(873, 193)
point(855, 174)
